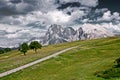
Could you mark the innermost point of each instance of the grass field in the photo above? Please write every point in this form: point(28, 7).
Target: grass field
point(15, 58)
point(77, 64)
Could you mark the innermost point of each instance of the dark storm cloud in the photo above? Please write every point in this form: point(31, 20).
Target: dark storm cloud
point(12, 7)
point(69, 4)
point(16, 1)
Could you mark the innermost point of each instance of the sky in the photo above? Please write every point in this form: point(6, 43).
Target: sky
point(26, 20)
point(112, 5)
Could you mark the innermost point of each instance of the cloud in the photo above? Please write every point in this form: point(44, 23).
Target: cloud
point(89, 3)
point(116, 15)
point(10, 7)
point(99, 29)
point(44, 11)
point(58, 17)
point(25, 20)
point(108, 16)
point(51, 17)
point(12, 35)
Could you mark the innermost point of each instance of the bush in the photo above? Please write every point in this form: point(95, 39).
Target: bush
point(1, 51)
point(110, 73)
point(7, 50)
point(117, 62)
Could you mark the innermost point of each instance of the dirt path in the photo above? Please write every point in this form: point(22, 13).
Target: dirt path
point(34, 62)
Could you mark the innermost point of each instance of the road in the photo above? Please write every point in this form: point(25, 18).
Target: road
point(34, 62)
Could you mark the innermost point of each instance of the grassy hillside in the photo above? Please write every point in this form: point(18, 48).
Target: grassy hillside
point(15, 58)
point(77, 64)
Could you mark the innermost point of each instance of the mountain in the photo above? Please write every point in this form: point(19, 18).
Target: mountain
point(54, 35)
point(58, 34)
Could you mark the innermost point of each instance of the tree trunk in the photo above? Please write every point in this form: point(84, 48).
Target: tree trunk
point(24, 54)
point(35, 50)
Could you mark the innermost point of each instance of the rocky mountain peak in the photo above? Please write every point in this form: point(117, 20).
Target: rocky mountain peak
point(55, 29)
point(58, 34)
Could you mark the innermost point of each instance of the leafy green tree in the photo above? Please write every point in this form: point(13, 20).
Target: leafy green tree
point(24, 48)
point(35, 45)
point(7, 50)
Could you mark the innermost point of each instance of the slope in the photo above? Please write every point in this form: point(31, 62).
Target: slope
point(77, 64)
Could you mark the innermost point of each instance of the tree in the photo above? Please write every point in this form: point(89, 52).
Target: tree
point(1, 51)
point(7, 49)
point(24, 48)
point(35, 45)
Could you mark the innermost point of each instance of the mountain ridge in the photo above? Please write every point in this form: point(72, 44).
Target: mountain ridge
point(58, 34)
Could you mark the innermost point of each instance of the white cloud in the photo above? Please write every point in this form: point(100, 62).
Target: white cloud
point(116, 15)
point(58, 17)
point(14, 35)
point(46, 12)
point(10, 28)
point(51, 17)
point(77, 14)
point(108, 16)
point(85, 20)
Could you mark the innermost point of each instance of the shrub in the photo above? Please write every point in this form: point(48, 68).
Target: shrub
point(1, 51)
point(7, 50)
point(117, 62)
point(110, 73)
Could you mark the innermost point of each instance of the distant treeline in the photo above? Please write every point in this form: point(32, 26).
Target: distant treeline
point(24, 47)
point(4, 50)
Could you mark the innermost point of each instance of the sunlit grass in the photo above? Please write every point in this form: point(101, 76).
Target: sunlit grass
point(15, 58)
point(77, 64)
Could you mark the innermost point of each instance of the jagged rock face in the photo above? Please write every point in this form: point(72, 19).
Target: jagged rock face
point(54, 35)
point(80, 34)
point(69, 34)
point(58, 34)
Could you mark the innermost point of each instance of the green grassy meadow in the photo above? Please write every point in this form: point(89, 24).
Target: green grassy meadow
point(15, 58)
point(77, 64)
